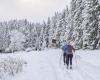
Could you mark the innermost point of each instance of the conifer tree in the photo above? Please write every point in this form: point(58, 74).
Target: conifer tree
point(91, 24)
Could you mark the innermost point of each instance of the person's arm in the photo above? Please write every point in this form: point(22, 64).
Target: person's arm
point(73, 48)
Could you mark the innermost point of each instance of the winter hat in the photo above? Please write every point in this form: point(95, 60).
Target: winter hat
point(69, 42)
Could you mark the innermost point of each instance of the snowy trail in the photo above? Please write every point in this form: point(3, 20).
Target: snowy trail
point(87, 71)
point(83, 71)
point(48, 65)
point(67, 74)
point(91, 70)
point(38, 69)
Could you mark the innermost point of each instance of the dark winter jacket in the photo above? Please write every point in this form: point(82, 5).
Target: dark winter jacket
point(70, 48)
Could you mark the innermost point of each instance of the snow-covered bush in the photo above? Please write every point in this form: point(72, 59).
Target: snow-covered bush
point(8, 50)
point(10, 67)
point(17, 41)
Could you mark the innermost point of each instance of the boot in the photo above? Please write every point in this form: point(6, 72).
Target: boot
point(70, 66)
point(67, 66)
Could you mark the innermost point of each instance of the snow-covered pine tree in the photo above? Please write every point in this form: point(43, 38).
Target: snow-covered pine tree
point(30, 36)
point(38, 33)
point(98, 32)
point(59, 27)
point(4, 36)
point(64, 33)
point(76, 16)
point(91, 24)
point(71, 20)
point(42, 37)
point(47, 32)
point(53, 28)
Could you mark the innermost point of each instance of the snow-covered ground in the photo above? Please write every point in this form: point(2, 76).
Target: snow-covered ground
point(48, 65)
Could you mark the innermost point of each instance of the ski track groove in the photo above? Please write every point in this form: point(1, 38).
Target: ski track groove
point(83, 69)
point(64, 75)
point(53, 68)
point(80, 71)
point(90, 67)
point(93, 66)
point(69, 75)
point(66, 72)
point(84, 74)
point(72, 72)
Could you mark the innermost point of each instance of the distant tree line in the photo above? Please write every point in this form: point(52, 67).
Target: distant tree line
point(79, 23)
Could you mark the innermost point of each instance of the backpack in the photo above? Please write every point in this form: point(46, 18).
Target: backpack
point(64, 48)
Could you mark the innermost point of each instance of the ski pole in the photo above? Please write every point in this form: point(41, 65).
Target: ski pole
point(76, 60)
point(60, 59)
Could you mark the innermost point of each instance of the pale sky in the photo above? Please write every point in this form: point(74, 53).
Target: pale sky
point(33, 10)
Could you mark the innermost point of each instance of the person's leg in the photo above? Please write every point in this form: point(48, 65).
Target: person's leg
point(67, 60)
point(70, 57)
point(64, 58)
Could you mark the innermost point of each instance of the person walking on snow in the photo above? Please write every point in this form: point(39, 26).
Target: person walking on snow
point(68, 49)
point(64, 48)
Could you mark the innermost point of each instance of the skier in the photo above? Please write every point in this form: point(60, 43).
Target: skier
point(63, 45)
point(68, 50)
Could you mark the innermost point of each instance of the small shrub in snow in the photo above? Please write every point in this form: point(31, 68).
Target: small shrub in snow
point(10, 66)
point(8, 50)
